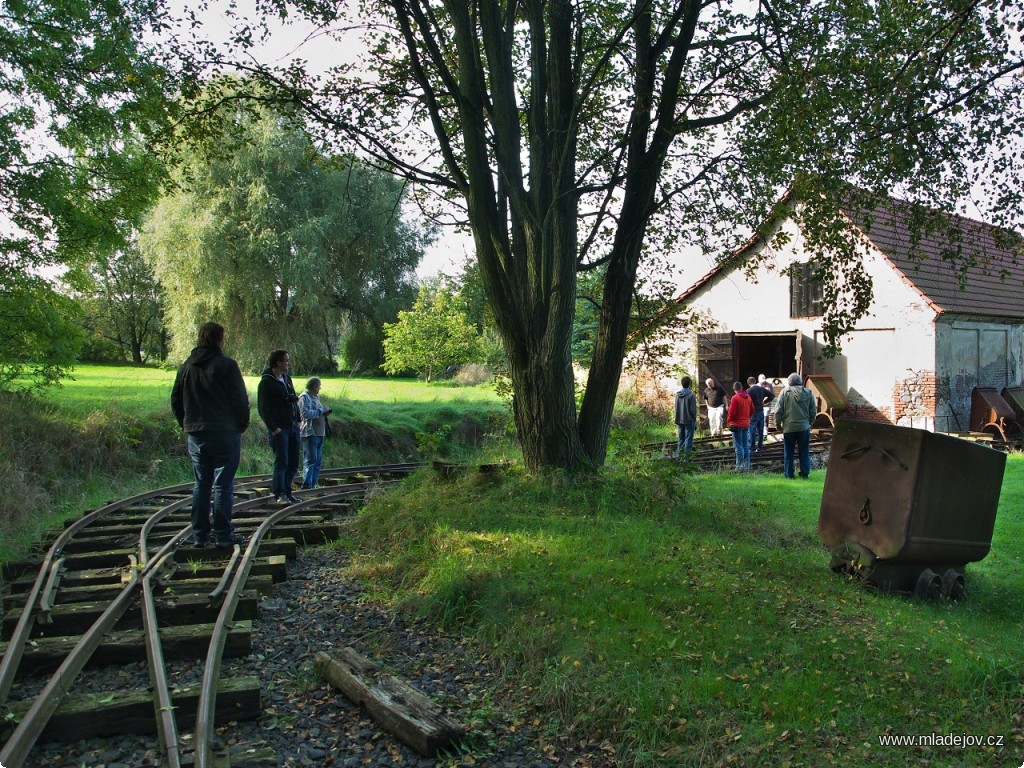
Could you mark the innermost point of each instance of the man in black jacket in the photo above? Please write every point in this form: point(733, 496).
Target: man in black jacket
point(210, 403)
point(279, 409)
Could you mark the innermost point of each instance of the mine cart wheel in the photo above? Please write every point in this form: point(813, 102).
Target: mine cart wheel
point(929, 585)
point(953, 585)
point(995, 429)
point(853, 559)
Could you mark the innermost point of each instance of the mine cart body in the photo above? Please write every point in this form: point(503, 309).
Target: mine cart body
point(1014, 397)
point(991, 413)
point(903, 507)
point(829, 398)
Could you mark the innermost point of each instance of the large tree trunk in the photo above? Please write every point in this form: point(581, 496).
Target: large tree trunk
point(606, 366)
point(544, 407)
point(534, 317)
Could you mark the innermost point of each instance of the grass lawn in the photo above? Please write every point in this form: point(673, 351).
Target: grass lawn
point(109, 433)
point(693, 620)
point(140, 390)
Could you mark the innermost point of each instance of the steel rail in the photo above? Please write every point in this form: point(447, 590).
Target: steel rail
point(167, 725)
point(15, 751)
point(46, 598)
point(48, 700)
point(16, 647)
point(206, 709)
point(163, 704)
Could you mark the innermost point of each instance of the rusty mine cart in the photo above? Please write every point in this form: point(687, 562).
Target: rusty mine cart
point(905, 509)
point(996, 413)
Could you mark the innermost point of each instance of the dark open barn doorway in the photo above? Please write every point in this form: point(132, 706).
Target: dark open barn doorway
point(733, 356)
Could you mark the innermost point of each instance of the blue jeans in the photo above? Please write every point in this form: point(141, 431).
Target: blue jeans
point(684, 443)
point(285, 445)
point(312, 455)
point(741, 444)
point(799, 441)
point(757, 431)
point(215, 457)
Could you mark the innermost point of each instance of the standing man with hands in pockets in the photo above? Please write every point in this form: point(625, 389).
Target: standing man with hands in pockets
point(279, 409)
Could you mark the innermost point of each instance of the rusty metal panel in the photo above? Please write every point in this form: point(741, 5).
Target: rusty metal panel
point(909, 495)
point(831, 400)
point(829, 394)
point(1014, 397)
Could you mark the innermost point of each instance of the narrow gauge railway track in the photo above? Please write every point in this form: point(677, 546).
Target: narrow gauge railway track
point(123, 584)
point(716, 453)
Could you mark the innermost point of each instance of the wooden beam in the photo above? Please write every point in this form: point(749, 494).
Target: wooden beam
point(398, 707)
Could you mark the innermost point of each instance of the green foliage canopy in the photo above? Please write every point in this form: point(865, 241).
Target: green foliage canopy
point(278, 242)
point(78, 84)
point(122, 306)
point(39, 333)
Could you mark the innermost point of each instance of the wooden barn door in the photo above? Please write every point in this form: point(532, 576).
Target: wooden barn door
point(716, 358)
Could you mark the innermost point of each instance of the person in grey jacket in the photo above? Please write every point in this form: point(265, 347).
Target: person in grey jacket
point(210, 403)
point(312, 432)
point(795, 411)
point(685, 417)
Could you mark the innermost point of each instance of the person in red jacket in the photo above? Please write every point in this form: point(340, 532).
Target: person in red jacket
point(741, 408)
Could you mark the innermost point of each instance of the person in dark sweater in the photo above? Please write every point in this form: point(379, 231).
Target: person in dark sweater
point(714, 398)
point(760, 396)
point(278, 407)
point(685, 418)
point(210, 403)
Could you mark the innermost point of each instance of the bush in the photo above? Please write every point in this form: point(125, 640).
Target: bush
point(471, 374)
point(99, 350)
point(48, 463)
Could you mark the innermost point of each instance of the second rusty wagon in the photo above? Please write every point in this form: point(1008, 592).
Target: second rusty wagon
point(907, 509)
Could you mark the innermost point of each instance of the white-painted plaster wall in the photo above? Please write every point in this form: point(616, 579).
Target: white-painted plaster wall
point(895, 339)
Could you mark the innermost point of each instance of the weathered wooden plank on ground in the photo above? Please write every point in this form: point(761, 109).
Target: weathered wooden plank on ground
point(402, 710)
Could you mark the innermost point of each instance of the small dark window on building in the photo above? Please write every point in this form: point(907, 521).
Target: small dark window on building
point(805, 294)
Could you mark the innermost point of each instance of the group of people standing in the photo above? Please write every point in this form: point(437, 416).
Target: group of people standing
point(211, 405)
point(745, 415)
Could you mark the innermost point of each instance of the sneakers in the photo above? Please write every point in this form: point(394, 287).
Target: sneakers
point(292, 498)
point(229, 542)
point(200, 540)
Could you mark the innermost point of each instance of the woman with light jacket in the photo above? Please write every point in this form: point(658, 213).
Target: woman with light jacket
point(313, 430)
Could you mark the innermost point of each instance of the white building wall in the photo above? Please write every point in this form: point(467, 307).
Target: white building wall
point(894, 342)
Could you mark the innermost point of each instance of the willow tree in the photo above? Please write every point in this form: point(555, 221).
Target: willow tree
point(280, 243)
point(585, 134)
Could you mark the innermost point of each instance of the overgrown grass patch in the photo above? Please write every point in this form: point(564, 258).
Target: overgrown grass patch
point(694, 620)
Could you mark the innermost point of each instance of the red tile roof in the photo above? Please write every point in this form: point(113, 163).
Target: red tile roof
point(959, 265)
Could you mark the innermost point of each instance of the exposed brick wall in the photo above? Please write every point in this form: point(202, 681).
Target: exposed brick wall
point(861, 412)
point(914, 399)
